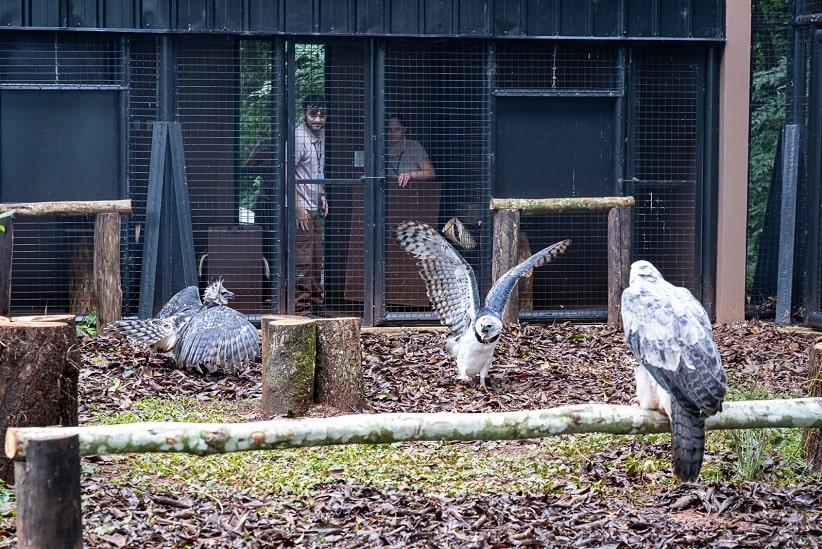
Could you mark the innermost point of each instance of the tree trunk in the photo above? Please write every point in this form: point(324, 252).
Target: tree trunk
point(49, 513)
point(39, 367)
point(108, 295)
point(6, 241)
point(289, 360)
point(339, 379)
point(812, 438)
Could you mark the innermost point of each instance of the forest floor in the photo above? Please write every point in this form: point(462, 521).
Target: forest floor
point(568, 491)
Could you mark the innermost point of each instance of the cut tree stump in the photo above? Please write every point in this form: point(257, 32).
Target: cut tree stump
point(49, 511)
point(339, 379)
point(311, 361)
point(39, 368)
point(812, 438)
point(289, 359)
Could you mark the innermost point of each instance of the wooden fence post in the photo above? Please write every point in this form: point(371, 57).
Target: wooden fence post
point(504, 256)
point(49, 512)
point(108, 295)
point(619, 261)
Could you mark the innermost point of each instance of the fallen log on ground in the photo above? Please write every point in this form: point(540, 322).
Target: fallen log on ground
point(217, 438)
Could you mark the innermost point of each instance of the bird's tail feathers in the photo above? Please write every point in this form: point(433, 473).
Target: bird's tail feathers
point(148, 331)
point(687, 442)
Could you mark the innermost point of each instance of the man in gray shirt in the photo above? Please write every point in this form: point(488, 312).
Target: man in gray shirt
point(311, 203)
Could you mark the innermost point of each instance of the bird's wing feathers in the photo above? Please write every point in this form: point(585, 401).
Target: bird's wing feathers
point(449, 278)
point(219, 338)
point(501, 290)
point(669, 331)
point(187, 298)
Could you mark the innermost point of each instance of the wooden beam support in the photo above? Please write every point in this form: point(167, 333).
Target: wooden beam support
point(504, 256)
point(72, 207)
point(108, 295)
point(534, 206)
point(619, 261)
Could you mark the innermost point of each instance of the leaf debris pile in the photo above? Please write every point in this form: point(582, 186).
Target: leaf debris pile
point(604, 502)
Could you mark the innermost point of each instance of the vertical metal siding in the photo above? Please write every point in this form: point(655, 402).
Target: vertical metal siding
point(703, 19)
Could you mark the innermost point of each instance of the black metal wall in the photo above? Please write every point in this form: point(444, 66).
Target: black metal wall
point(643, 19)
point(648, 108)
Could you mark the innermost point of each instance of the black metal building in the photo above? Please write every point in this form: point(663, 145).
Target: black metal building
point(528, 98)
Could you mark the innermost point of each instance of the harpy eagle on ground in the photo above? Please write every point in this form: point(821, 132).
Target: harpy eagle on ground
point(679, 372)
point(473, 330)
point(205, 334)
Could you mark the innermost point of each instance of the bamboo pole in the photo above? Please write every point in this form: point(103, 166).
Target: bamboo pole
point(218, 438)
point(71, 207)
point(533, 206)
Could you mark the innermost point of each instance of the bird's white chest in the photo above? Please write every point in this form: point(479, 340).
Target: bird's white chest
point(649, 394)
point(473, 355)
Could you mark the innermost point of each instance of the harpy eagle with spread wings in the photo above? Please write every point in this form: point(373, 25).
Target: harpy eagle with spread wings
point(205, 334)
point(473, 330)
point(679, 372)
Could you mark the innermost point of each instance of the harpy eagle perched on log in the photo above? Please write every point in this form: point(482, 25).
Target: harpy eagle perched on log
point(473, 330)
point(205, 334)
point(679, 372)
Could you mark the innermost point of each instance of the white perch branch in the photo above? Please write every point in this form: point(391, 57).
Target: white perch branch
point(217, 438)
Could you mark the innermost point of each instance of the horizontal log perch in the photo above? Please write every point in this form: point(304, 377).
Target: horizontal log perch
point(71, 207)
point(533, 206)
point(217, 438)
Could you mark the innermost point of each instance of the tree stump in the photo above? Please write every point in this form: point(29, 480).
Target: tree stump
point(812, 438)
point(39, 369)
point(338, 378)
point(49, 511)
point(289, 360)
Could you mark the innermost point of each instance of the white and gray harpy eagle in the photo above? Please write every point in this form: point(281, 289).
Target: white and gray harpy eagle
point(680, 371)
point(473, 330)
point(205, 334)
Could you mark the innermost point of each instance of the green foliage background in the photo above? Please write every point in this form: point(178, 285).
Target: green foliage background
point(768, 74)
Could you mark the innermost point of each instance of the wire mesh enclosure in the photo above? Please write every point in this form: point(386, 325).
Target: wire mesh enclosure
point(417, 129)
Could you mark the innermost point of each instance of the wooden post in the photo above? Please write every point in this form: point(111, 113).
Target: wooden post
point(504, 256)
point(39, 370)
point(108, 295)
point(619, 261)
point(339, 378)
point(812, 438)
point(49, 512)
point(289, 356)
point(6, 245)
